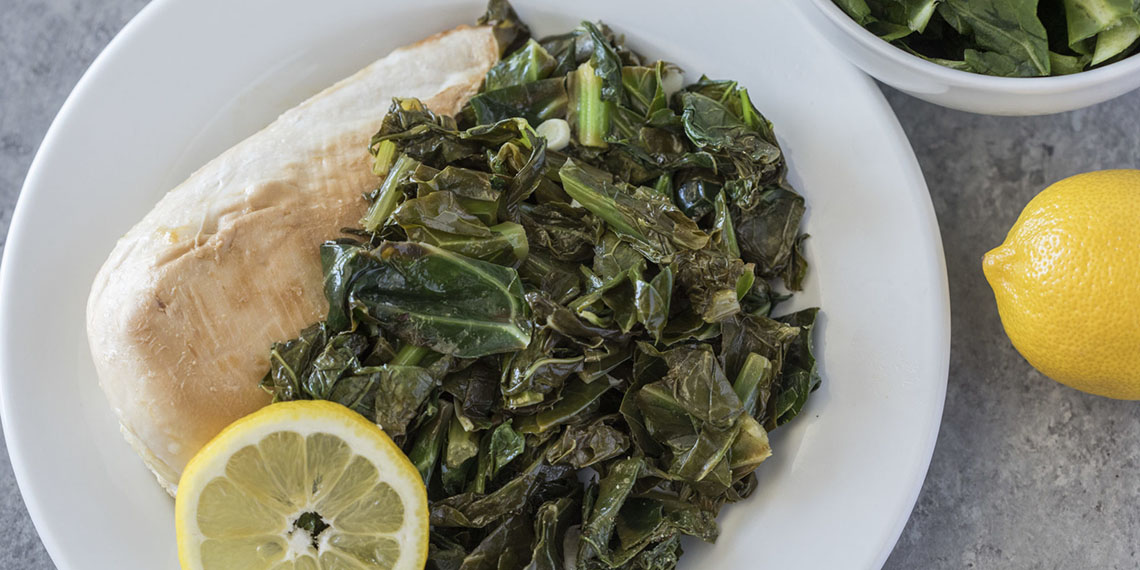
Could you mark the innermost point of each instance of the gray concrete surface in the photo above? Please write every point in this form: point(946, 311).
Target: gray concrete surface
point(1027, 474)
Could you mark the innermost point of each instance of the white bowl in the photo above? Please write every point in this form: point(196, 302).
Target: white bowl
point(963, 90)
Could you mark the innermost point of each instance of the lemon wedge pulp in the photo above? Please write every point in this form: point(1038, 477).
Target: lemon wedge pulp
point(307, 485)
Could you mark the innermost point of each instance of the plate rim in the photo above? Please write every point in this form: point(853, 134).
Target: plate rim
point(17, 454)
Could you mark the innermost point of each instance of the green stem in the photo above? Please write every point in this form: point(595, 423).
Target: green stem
point(410, 355)
point(728, 231)
point(425, 451)
point(755, 373)
point(592, 114)
point(385, 159)
point(389, 194)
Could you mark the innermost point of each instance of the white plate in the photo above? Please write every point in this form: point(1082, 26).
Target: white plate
point(187, 79)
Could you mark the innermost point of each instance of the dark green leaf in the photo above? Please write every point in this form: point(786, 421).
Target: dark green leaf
point(745, 334)
point(559, 280)
point(606, 64)
point(653, 301)
point(429, 441)
point(714, 282)
point(798, 377)
point(1010, 29)
point(399, 392)
point(536, 102)
point(551, 522)
point(510, 32)
point(506, 445)
point(439, 219)
point(579, 400)
point(508, 546)
point(613, 490)
point(584, 445)
point(527, 65)
point(714, 127)
point(529, 375)
point(652, 225)
point(451, 303)
point(569, 233)
point(768, 233)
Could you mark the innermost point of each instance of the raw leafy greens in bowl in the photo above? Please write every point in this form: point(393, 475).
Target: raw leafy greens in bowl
point(571, 338)
point(1009, 38)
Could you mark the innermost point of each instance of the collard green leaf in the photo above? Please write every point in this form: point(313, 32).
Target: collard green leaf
point(753, 385)
point(798, 377)
point(585, 445)
point(566, 49)
point(290, 361)
point(529, 375)
point(696, 194)
point(750, 448)
point(527, 178)
point(399, 392)
point(605, 63)
point(506, 445)
point(551, 523)
point(696, 459)
point(735, 98)
point(613, 490)
point(425, 451)
point(662, 556)
point(390, 194)
point(714, 282)
point(1011, 29)
point(652, 225)
point(744, 334)
point(653, 300)
point(431, 297)
point(477, 192)
point(767, 234)
point(557, 318)
point(714, 127)
point(663, 417)
point(507, 546)
point(578, 401)
point(529, 64)
point(559, 280)
point(698, 384)
point(510, 31)
point(475, 392)
point(857, 9)
point(644, 89)
point(477, 510)
point(567, 232)
point(440, 220)
point(1005, 37)
point(462, 445)
point(535, 101)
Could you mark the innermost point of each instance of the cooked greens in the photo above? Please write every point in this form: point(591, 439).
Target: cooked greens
point(1013, 38)
point(576, 348)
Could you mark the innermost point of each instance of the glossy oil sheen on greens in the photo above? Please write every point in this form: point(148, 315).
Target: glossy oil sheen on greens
point(580, 350)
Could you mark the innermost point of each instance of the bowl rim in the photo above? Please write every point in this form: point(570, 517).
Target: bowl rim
point(1026, 85)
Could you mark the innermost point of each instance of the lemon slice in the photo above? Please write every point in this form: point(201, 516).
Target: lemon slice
point(305, 485)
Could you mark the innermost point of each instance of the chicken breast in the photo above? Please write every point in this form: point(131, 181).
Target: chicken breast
point(182, 314)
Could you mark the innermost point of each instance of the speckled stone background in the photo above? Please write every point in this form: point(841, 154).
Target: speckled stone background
point(1027, 474)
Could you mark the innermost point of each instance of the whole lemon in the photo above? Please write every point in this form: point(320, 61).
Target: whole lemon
point(1067, 282)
